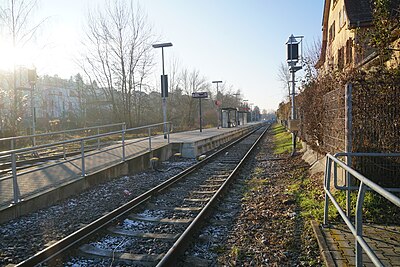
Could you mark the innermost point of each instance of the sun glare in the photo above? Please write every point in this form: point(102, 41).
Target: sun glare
point(10, 57)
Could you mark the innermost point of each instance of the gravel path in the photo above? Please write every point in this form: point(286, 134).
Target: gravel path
point(23, 237)
point(259, 223)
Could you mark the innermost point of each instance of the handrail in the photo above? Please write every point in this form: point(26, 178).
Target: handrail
point(13, 153)
point(365, 183)
point(61, 132)
point(26, 149)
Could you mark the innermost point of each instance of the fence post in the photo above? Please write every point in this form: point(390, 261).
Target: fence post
point(348, 142)
point(360, 200)
point(98, 138)
point(14, 173)
point(123, 141)
point(149, 139)
point(169, 129)
point(327, 185)
point(83, 157)
point(64, 150)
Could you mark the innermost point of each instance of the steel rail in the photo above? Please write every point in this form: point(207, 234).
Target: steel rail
point(64, 244)
point(171, 256)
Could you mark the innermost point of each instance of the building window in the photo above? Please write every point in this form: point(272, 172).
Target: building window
point(332, 32)
point(342, 18)
point(344, 15)
point(341, 58)
point(349, 51)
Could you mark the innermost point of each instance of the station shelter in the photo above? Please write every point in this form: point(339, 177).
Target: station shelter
point(242, 117)
point(229, 117)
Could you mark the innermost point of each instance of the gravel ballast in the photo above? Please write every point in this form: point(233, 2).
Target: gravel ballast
point(23, 237)
point(259, 222)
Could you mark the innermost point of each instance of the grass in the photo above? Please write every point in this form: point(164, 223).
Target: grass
point(282, 140)
point(376, 208)
point(236, 253)
point(307, 194)
point(310, 197)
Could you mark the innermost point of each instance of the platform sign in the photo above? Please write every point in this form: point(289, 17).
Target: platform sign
point(200, 95)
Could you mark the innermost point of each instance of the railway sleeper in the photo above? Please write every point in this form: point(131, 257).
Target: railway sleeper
point(205, 192)
point(193, 209)
point(197, 199)
point(208, 186)
point(120, 231)
point(158, 220)
point(120, 256)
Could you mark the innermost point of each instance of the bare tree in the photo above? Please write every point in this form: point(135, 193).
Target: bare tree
point(284, 77)
point(15, 18)
point(191, 81)
point(118, 56)
point(310, 59)
point(175, 92)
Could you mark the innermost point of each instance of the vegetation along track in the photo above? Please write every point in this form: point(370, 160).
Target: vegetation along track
point(155, 227)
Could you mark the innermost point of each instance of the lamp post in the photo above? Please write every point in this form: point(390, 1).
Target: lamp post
point(32, 77)
point(293, 57)
point(238, 105)
point(217, 104)
point(164, 85)
point(245, 108)
point(236, 98)
point(251, 112)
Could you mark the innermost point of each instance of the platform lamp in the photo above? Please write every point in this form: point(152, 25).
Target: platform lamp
point(251, 112)
point(164, 85)
point(32, 78)
point(217, 103)
point(294, 56)
point(245, 105)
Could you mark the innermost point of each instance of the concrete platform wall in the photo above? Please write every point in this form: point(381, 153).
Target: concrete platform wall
point(80, 184)
point(194, 149)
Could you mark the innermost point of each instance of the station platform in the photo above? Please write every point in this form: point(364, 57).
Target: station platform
point(44, 187)
point(337, 244)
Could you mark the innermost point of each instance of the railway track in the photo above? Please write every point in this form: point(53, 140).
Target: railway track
point(154, 228)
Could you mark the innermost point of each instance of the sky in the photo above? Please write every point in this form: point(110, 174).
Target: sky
point(241, 42)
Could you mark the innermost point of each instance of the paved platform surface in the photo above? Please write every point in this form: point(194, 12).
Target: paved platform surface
point(384, 240)
point(51, 177)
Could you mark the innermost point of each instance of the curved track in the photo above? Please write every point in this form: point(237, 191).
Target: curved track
point(154, 228)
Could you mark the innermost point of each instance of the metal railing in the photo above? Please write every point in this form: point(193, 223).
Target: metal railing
point(13, 140)
point(121, 143)
point(365, 184)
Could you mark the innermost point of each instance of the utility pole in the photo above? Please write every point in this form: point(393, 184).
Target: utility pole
point(164, 86)
point(217, 104)
point(293, 57)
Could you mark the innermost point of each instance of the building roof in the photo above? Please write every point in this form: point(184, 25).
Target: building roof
point(359, 12)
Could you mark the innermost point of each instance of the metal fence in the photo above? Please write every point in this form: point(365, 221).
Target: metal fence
point(332, 165)
point(376, 128)
point(334, 121)
point(81, 154)
point(33, 140)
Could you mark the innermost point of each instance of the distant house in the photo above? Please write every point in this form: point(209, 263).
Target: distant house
point(55, 98)
point(340, 19)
